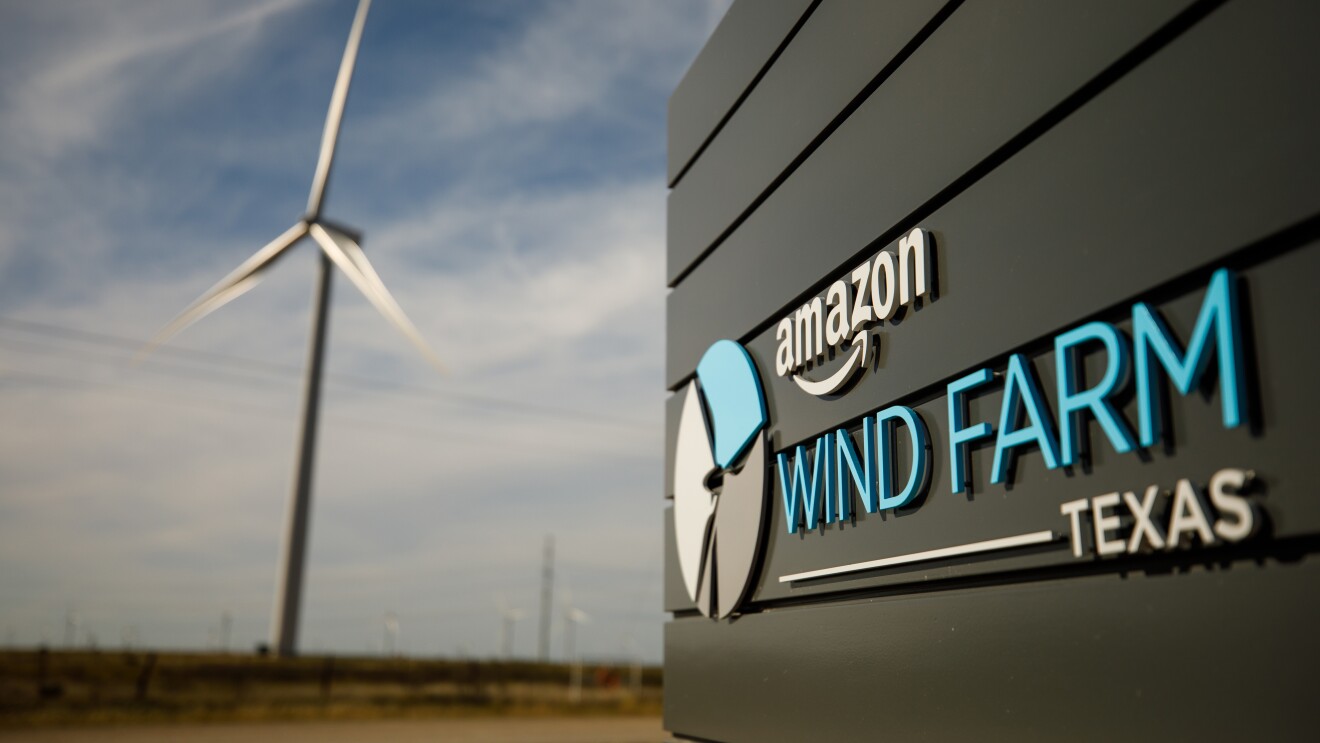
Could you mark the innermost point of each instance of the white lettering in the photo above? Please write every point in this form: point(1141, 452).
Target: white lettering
point(1244, 518)
point(1104, 524)
point(1188, 516)
point(882, 299)
point(915, 245)
point(870, 293)
point(861, 279)
point(807, 324)
point(1142, 526)
point(837, 327)
point(784, 360)
point(1073, 510)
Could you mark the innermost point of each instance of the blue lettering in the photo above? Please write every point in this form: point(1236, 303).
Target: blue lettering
point(1021, 389)
point(800, 492)
point(920, 469)
point(1073, 401)
point(824, 446)
point(859, 472)
point(1219, 312)
point(959, 434)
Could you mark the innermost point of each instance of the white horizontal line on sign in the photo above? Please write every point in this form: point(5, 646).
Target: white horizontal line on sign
point(990, 545)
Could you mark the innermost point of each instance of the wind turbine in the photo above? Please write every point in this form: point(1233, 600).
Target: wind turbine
point(340, 247)
point(391, 641)
point(510, 617)
point(573, 616)
point(547, 594)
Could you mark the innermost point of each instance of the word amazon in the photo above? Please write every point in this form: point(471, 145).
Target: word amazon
point(872, 293)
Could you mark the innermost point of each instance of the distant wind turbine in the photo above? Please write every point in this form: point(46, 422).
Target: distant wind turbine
point(391, 641)
point(573, 616)
point(340, 246)
point(510, 617)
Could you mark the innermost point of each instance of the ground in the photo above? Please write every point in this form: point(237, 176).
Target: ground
point(476, 730)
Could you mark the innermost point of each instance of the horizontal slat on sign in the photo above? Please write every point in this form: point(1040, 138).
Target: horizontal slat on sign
point(1079, 660)
point(737, 52)
point(673, 407)
point(676, 597)
point(835, 55)
point(986, 73)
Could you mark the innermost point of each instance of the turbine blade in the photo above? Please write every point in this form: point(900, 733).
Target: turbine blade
point(330, 137)
point(238, 282)
point(350, 259)
point(359, 258)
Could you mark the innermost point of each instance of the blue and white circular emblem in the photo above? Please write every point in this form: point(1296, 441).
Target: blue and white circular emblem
point(720, 479)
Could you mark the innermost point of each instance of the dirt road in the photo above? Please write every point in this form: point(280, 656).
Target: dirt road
point(553, 730)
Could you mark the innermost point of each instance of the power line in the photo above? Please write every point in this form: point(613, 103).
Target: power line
point(126, 391)
point(130, 346)
point(46, 348)
point(229, 406)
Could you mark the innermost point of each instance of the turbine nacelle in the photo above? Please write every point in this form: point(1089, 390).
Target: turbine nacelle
point(349, 232)
point(341, 245)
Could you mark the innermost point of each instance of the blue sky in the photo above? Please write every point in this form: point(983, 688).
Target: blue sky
point(505, 162)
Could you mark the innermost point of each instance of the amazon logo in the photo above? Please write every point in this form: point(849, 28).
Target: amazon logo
point(872, 293)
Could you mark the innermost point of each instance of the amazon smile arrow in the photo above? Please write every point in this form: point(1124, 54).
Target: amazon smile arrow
point(841, 377)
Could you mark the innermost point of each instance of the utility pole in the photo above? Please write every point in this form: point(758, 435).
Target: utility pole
point(547, 595)
point(70, 629)
point(226, 628)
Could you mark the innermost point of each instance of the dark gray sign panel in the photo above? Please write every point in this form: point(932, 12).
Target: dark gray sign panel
point(1032, 331)
point(1178, 653)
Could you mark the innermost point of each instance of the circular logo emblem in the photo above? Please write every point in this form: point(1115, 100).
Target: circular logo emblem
point(720, 479)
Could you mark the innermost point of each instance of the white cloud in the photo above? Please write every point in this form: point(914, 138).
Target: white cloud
point(90, 74)
point(596, 260)
point(571, 57)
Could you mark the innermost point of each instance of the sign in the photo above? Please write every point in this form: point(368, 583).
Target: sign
point(1028, 289)
point(720, 482)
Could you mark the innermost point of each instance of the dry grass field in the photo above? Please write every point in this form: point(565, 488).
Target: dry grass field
point(43, 689)
point(615, 729)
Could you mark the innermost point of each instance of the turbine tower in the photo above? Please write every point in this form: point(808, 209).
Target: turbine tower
point(573, 616)
point(547, 599)
point(509, 618)
point(340, 247)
